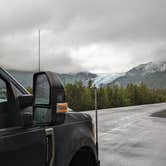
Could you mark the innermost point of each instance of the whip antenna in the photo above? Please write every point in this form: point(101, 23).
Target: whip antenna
point(39, 50)
point(96, 117)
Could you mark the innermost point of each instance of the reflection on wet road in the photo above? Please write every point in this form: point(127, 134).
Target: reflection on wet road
point(129, 136)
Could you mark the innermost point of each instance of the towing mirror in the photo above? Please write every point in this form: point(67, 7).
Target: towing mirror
point(48, 90)
point(27, 119)
point(25, 104)
point(25, 101)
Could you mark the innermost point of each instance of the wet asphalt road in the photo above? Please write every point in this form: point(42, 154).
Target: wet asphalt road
point(129, 136)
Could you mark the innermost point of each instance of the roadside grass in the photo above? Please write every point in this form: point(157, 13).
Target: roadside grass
point(160, 114)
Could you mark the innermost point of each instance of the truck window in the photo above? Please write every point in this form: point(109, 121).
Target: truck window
point(3, 91)
point(9, 116)
point(3, 104)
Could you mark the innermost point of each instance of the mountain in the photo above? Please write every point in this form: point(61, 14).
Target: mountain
point(153, 74)
point(75, 77)
point(104, 79)
point(25, 77)
point(149, 68)
point(84, 77)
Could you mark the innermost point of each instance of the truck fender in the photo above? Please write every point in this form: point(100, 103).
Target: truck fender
point(70, 138)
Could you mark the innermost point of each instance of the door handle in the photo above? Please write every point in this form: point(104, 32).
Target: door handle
point(50, 137)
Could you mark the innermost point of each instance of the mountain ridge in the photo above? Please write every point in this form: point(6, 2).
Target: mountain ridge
point(25, 77)
point(152, 74)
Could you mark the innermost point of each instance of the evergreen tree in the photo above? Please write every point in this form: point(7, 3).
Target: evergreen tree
point(82, 98)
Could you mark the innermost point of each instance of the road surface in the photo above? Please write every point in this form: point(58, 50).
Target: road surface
point(130, 136)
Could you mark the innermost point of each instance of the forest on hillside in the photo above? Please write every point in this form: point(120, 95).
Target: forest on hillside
point(81, 98)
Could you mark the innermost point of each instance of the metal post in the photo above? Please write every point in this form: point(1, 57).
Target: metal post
point(39, 50)
point(96, 116)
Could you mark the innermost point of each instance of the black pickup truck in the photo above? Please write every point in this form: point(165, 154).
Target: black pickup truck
point(37, 130)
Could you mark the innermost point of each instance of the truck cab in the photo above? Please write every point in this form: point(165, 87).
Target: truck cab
point(37, 130)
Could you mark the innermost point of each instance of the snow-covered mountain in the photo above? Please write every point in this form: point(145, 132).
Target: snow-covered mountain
point(25, 78)
point(103, 79)
point(148, 68)
point(153, 74)
point(146, 73)
point(71, 78)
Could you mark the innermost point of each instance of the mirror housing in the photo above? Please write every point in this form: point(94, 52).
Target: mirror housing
point(48, 90)
point(25, 100)
point(27, 119)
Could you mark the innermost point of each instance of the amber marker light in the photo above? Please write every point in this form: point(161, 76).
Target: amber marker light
point(62, 107)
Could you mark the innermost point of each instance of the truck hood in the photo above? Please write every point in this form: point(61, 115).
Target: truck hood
point(77, 117)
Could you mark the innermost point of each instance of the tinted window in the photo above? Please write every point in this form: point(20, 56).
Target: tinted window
point(42, 90)
point(3, 105)
point(3, 91)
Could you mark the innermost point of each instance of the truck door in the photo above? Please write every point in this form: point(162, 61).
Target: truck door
point(19, 146)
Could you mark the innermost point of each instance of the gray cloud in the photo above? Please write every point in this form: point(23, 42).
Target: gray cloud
point(137, 25)
point(26, 58)
point(160, 53)
point(107, 19)
point(61, 62)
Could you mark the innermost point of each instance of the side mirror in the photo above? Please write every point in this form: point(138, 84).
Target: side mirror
point(25, 101)
point(27, 119)
point(48, 90)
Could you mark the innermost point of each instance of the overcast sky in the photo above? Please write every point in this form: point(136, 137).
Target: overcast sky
point(101, 36)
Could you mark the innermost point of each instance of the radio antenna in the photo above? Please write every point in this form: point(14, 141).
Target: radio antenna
point(39, 50)
point(96, 116)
